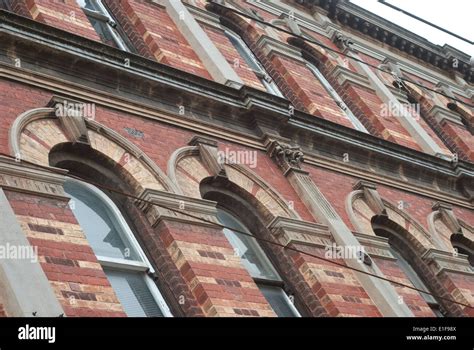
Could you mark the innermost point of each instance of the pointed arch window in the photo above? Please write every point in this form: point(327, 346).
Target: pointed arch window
point(253, 63)
point(117, 250)
point(258, 265)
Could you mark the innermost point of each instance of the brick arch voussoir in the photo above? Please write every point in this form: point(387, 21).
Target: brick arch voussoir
point(243, 181)
point(413, 251)
point(35, 145)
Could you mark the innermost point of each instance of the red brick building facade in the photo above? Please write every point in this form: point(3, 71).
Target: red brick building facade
point(311, 126)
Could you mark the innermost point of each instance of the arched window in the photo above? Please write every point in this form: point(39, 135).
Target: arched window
point(253, 62)
point(416, 281)
point(463, 250)
point(455, 108)
point(333, 93)
point(117, 250)
point(464, 246)
point(258, 265)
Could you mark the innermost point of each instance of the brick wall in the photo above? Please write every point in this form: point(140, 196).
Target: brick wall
point(63, 14)
point(196, 262)
point(233, 57)
point(161, 36)
point(2, 311)
point(66, 257)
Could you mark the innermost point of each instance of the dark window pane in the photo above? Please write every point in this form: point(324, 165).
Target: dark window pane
point(417, 282)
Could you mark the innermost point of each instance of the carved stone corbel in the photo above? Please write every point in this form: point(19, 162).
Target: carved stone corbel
point(341, 41)
point(287, 157)
point(392, 66)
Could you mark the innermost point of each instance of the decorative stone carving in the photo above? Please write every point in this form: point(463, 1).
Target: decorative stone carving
point(392, 66)
point(286, 156)
point(447, 262)
point(375, 246)
point(343, 42)
point(290, 231)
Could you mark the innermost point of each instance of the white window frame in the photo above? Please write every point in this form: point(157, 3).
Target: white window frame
point(123, 264)
point(262, 74)
point(105, 17)
point(259, 280)
point(339, 101)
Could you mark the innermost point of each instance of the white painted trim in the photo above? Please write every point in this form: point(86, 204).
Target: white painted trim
point(122, 264)
point(134, 265)
point(339, 101)
point(269, 84)
point(105, 12)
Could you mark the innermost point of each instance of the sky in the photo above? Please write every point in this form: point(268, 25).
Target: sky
point(453, 15)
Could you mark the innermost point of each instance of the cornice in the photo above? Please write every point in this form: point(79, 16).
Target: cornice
point(152, 90)
point(359, 19)
point(327, 28)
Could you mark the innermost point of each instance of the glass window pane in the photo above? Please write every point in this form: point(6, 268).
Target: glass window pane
point(252, 61)
point(244, 53)
point(103, 31)
point(99, 223)
point(253, 257)
point(325, 83)
point(413, 276)
point(278, 300)
point(133, 293)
